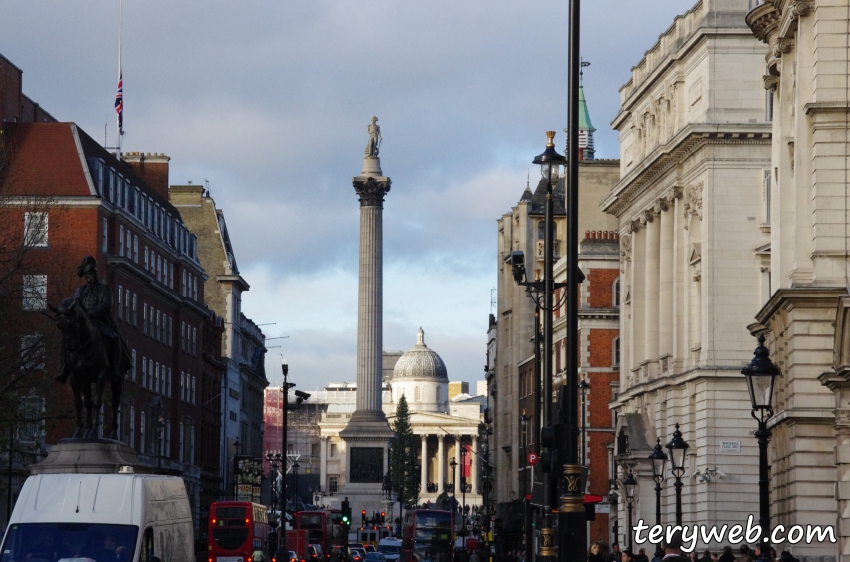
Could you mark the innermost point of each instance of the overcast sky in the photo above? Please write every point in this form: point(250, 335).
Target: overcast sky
point(269, 101)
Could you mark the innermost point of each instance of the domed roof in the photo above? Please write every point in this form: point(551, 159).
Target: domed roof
point(420, 363)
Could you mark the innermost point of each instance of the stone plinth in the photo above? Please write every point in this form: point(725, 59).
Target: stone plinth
point(88, 456)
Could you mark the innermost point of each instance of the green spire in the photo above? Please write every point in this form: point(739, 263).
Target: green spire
point(583, 115)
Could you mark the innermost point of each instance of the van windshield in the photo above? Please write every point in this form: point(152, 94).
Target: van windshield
point(389, 548)
point(49, 542)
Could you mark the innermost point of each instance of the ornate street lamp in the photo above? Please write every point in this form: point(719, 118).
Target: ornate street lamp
point(630, 483)
point(761, 375)
point(677, 448)
point(659, 459)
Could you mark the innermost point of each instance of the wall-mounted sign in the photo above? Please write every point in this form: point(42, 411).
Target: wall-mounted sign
point(730, 446)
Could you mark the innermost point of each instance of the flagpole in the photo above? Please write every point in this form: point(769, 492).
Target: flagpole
point(119, 117)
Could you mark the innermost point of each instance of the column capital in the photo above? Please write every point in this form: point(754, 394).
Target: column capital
point(440, 437)
point(424, 436)
point(371, 190)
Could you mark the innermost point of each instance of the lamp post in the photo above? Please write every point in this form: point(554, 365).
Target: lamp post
point(463, 453)
point(550, 162)
point(453, 464)
point(613, 497)
point(630, 483)
point(761, 375)
point(677, 448)
point(659, 459)
point(274, 519)
point(583, 386)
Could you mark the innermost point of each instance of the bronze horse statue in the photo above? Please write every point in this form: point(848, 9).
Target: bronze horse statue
point(88, 362)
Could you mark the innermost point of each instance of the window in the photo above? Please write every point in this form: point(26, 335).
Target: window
point(193, 389)
point(35, 230)
point(133, 366)
point(158, 333)
point(135, 248)
point(105, 235)
point(167, 439)
point(145, 318)
point(194, 341)
point(35, 292)
point(333, 484)
point(32, 352)
point(132, 426)
point(194, 288)
point(184, 283)
point(183, 336)
point(169, 383)
point(120, 303)
point(192, 445)
point(170, 331)
point(180, 443)
point(127, 305)
point(233, 416)
point(150, 320)
point(146, 257)
point(144, 372)
point(156, 377)
point(159, 268)
point(768, 104)
point(135, 315)
point(129, 240)
point(418, 394)
point(616, 348)
point(616, 296)
point(142, 433)
point(171, 277)
point(150, 375)
point(182, 385)
point(121, 240)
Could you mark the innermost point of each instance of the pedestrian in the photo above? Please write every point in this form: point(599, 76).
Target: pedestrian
point(746, 555)
point(658, 554)
point(706, 557)
point(727, 555)
point(595, 553)
point(672, 546)
point(258, 555)
point(615, 553)
point(641, 556)
point(692, 556)
point(473, 557)
point(627, 556)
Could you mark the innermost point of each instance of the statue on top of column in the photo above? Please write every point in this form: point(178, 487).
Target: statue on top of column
point(375, 139)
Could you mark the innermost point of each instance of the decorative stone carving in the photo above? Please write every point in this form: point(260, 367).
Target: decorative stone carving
point(770, 81)
point(648, 215)
point(671, 122)
point(660, 206)
point(626, 247)
point(635, 225)
point(782, 46)
point(676, 192)
point(693, 200)
point(371, 191)
point(697, 273)
point(800, 8)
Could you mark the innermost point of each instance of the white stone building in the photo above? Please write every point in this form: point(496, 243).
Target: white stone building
point(695, 146)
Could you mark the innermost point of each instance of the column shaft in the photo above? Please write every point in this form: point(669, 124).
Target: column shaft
point(441, 464)
point(650, 326)
point(423, 481)
point(665, 284)
point(370, 309)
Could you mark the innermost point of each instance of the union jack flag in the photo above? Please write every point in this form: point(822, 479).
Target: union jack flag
point(119, 102)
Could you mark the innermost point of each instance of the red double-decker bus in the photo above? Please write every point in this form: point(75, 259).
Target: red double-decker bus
point(317, 525)
point(236, 530)
point(427, 535)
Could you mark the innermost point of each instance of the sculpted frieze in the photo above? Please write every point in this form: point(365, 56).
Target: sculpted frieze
point(693, 200)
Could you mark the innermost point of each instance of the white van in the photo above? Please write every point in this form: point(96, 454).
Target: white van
point(390, 548)
point(124, 517)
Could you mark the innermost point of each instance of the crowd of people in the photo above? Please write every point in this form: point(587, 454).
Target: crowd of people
point(598, 552)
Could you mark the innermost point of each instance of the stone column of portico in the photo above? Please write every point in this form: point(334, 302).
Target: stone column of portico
point(650, 326)
point(665, 281)
point(423, 480)
point(474, 469)
point(441, 464)
point(459, 464)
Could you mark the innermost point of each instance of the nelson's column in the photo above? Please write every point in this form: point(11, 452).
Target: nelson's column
point(368, 434)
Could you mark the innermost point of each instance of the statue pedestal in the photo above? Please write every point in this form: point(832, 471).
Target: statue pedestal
point(88, 456)
point(367, 441)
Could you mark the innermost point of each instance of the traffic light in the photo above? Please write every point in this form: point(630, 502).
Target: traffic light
point(363, 517)
point(551, 460)
point(383, 517)
point(346, 513)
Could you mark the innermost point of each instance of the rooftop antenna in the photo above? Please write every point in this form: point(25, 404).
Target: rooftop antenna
point(584, 64)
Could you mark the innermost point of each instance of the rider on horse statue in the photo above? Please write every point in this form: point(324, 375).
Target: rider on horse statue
point(95, 298)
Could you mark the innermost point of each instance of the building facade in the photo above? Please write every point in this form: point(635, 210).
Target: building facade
point(805, 319)
point(241, 394)
point(514, 368)
point(690, 204)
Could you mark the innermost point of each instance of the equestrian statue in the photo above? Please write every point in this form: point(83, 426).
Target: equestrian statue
point(93, 352)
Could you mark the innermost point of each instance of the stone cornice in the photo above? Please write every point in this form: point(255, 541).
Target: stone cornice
point(788, 299)
point(669, 155)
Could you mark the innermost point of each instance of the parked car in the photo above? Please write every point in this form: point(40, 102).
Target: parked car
point(375, 557)
point(358, 554)
point(390, 548)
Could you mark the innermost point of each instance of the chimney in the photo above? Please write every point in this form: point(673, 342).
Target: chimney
point(151, 167)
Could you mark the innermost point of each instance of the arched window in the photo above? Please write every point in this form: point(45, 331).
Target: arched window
point(615, 347)
point(418, 396)
point(616, 295)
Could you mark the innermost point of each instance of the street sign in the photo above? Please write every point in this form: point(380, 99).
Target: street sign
point(532, 459)
point(469, 527)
